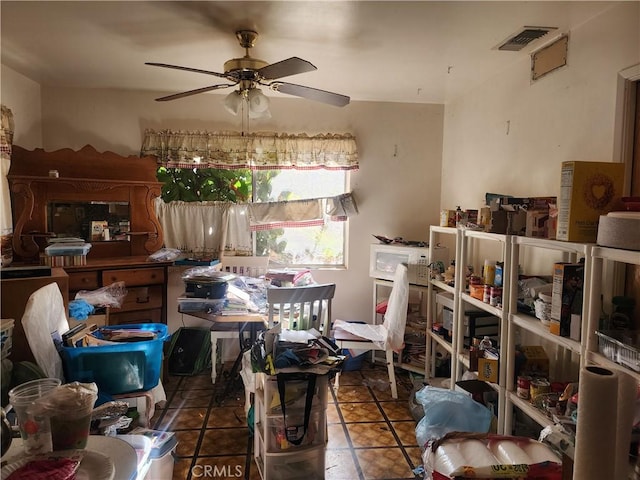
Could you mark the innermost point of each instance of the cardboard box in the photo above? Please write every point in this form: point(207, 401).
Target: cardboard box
point(506, 222)
point(508, 215)
point(534, 361)
point(552, 225)
point(537, 223)
point(587, 190)
point(575, 329)
point(97, 229)
point(478, 324)
point(488, 369)
point(566, 296)
point(99, 319)
point(472, 216)
point(447, 218)
point(480, 391)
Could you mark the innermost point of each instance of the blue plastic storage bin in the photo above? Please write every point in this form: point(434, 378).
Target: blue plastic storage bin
point(352, 364)
point(122, 368)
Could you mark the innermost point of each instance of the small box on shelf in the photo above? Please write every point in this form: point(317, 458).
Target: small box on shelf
point(488, 366)
point(478, 323)
point(566, 297)
point(532, 360)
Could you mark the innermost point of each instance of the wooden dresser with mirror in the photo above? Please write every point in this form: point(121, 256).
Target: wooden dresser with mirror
point(67, 193)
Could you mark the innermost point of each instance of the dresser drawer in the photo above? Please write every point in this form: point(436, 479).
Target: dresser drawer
point(142, 316)
point(141, 298)
point(83, 281)
point(134, 276)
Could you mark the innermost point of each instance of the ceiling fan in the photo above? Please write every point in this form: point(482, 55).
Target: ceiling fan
point(249, 72)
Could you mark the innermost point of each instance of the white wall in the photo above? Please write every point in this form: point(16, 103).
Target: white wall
point(22, 96)
point(397, 187)
point(510, 135)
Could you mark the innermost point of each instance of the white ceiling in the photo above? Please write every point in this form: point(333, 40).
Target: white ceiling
point(416, 52)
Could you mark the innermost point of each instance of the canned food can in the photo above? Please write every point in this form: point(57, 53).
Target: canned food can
point(523, 386)
point(486, 297)
point(495, 296)
point(538, 387)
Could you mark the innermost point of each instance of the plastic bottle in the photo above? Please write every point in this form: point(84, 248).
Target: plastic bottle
point(485, 343)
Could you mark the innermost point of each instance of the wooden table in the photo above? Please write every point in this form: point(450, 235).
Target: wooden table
point(233, 325)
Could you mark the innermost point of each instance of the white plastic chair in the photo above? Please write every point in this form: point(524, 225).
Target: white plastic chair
point(387, 337)
point(244, 266)
point(45, 314)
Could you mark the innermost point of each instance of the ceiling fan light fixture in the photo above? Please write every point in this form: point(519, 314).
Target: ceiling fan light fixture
point(258, 104)
point(232, 102)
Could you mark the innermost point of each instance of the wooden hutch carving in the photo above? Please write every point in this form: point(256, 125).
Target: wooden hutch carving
point(38, 178)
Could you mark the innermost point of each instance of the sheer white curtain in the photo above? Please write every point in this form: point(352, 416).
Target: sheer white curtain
point(208, 228)
point(202, 228)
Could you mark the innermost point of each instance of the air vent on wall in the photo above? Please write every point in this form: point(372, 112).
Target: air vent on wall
point(523, 37)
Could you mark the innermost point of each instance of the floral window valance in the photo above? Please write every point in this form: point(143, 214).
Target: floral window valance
point(257, 151)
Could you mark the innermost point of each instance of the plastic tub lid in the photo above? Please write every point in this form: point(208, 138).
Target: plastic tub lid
point(165, 448)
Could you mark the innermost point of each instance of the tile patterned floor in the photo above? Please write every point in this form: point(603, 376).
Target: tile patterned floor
point(370, 435)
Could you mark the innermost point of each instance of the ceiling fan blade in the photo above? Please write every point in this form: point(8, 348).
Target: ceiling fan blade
point(311, 93)
point(284, 68)
point(187, 69)
point(175, 96)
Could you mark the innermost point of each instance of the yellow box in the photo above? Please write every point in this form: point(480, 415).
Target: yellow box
point(587, 190)
point(488, 369)
point(447, 218)
point(536, 362)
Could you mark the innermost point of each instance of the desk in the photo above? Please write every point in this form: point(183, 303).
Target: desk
point(121, 453)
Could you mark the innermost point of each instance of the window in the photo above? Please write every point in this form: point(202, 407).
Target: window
point(317, 246)
point(309, 172)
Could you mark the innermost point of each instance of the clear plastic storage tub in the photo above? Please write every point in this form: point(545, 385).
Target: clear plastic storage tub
point(67, 250)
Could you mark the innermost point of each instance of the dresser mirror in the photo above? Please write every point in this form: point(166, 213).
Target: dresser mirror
point(91, 221)
point(95, 196)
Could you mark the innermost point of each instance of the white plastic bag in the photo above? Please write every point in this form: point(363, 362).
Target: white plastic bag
point(109, 296)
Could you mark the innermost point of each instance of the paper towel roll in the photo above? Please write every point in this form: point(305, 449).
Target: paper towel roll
point(619, 230)
point(596, 429)
point(627, 395)
point(509, 453)
point(477, 454)
point(539, 452)
point(448, 459)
